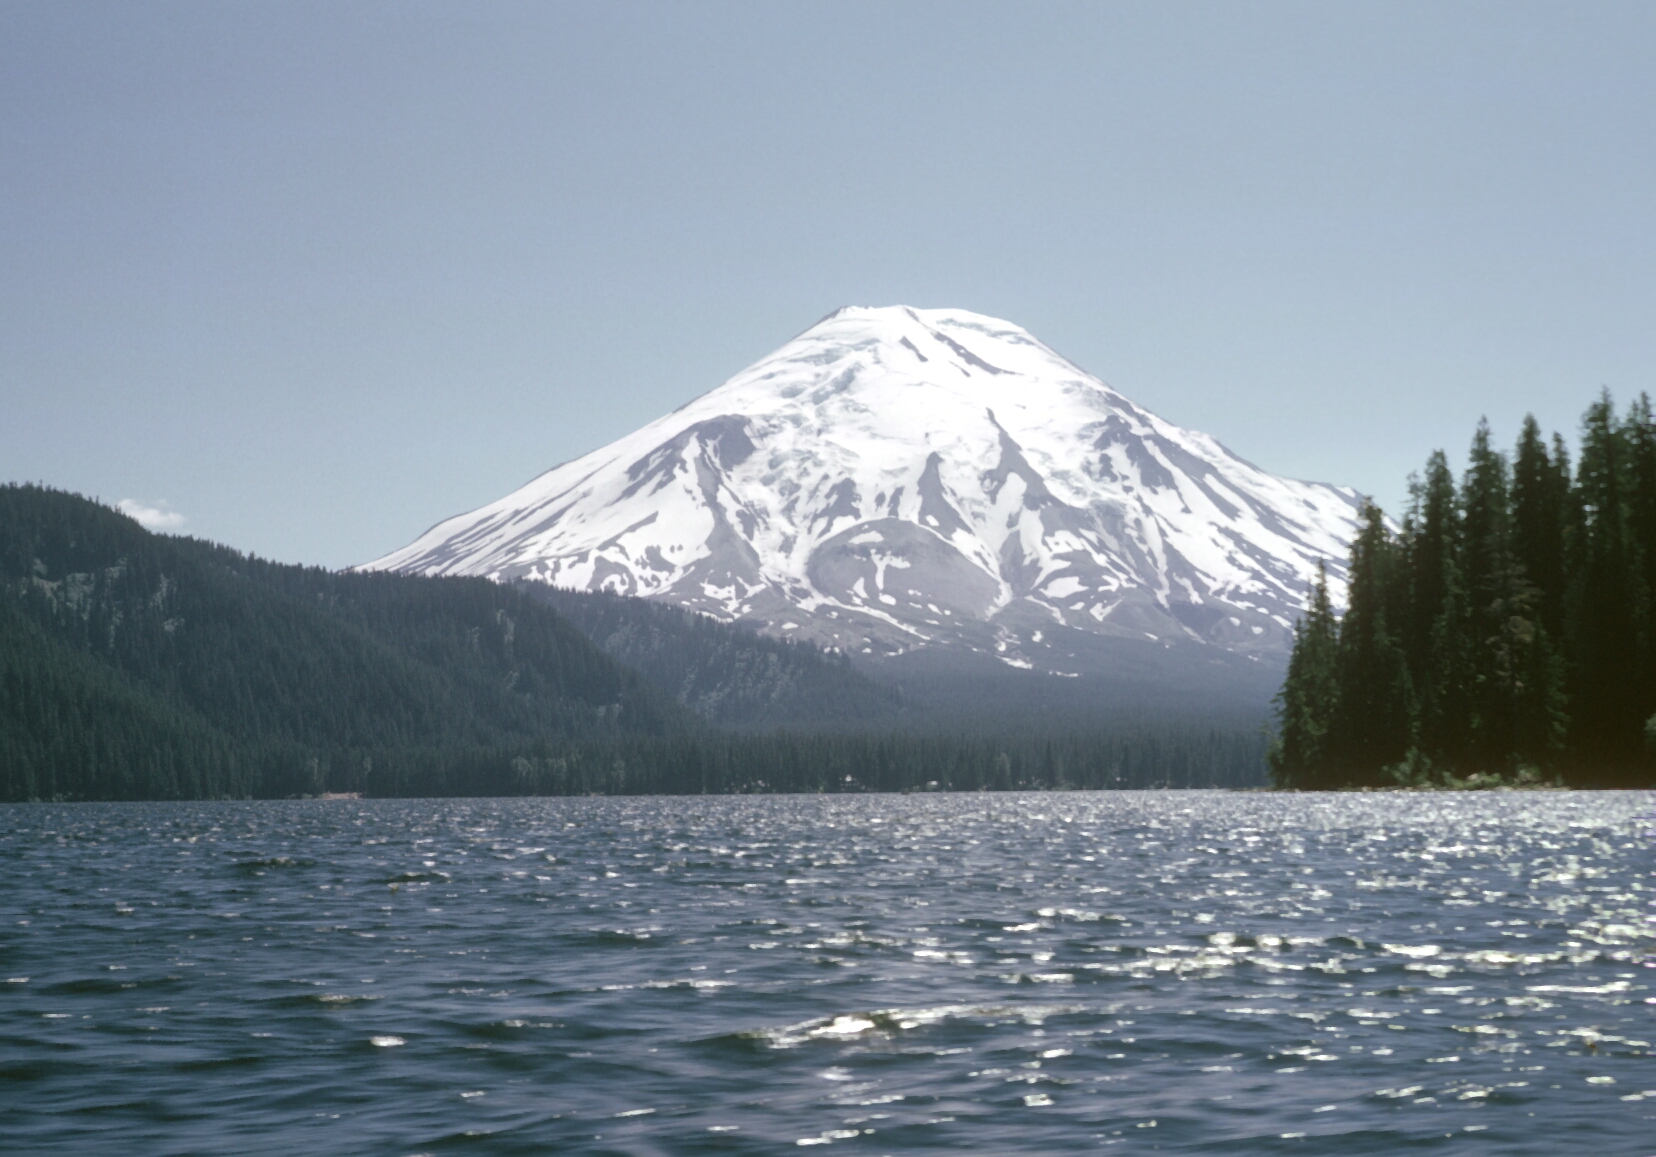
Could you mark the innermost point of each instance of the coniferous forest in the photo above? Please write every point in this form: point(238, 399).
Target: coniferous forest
point(730, 676)
point(1503, 631)
point(143, 666)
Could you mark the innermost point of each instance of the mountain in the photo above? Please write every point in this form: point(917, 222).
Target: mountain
point(137, 665)
point(898, 482)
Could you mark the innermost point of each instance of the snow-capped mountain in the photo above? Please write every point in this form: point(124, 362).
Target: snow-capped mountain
point(898, 478)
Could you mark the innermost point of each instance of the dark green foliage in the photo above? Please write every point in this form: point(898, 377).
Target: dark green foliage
point(137, 666)
point(1370, 723)
point(1540, 505)
point(1640, 431)
point(69, 726)
point(1499, 607)
point(1436, 608)
point(1306, 704)
point(115, 642)
point(725, 673)
point(1506, 631)
point(1604, 614)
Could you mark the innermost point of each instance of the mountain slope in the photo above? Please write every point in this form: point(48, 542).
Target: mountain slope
point(895, 479)
point(728, 675)
point(115, 641)
point(72, 726)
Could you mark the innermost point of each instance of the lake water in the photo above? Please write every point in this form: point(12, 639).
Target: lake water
point(1180, 972)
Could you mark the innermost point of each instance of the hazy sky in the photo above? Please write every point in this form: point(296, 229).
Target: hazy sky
point(313, 277)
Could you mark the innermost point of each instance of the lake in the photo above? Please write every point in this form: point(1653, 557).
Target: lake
point(1179, 972)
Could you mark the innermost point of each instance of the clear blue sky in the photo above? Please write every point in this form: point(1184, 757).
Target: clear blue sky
point(318, 275)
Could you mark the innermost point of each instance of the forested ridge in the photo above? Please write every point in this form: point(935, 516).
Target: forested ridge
point(142, 666)
point(137, 664)
point(1503, 631)
point(727, 674)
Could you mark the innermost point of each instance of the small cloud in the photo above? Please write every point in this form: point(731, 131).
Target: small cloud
point(156, 517)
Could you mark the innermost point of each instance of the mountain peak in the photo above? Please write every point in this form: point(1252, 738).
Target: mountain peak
point(897, 478)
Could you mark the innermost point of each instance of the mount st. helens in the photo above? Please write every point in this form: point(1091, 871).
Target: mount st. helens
point(896, 480)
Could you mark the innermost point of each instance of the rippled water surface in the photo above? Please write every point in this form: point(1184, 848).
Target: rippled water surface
point(1183, 972)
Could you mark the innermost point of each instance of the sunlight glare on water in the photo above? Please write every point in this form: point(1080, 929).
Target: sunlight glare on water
point(1183, 972)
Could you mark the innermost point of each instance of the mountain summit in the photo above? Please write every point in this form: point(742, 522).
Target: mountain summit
point(896, 479)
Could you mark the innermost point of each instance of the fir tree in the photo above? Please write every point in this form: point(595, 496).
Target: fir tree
point(1306, 703)
point(1371, 725)
point(1605, 636)
point(1433, 529)
point(1499, 607)
point(1640, 432)
point(1435, 620)
point(1540, 498)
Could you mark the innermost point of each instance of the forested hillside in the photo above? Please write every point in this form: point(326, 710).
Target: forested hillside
point(139, 666)
point(740, 680)
point(73, 727)
point(727, 674)
point(1504, 629)
point(134, 664)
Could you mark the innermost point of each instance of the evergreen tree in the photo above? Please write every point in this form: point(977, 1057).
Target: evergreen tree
point(1435, 620)
point(1371, 724)
point(1306, 703)
point(1434, 530)
point(1640, 430)
point(1540, 499)
point(1542, 723)
point(1541, 502)
point(1500, 601)
point(1606, 650)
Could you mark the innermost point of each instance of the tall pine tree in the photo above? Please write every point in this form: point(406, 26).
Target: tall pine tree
point(1540, 498)
point(1371, 726)
point(1605, 651)
point(1640, 432)
point(1499, 606)
point(1306, 703)
point(1440, 665)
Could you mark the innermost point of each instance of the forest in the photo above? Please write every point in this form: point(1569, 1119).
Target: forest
point(1503, 632)
point(728, 675)
point(143, 666)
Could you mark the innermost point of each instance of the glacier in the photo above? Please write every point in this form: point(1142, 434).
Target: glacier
point(897, 479)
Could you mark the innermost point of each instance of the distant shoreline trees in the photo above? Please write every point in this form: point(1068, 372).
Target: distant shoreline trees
point(1504, 632)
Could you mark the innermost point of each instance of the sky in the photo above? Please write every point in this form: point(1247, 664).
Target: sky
point(308, 278)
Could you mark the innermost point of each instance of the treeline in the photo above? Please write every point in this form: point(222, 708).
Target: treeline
point(1503, 631)
point(787, 762)
point(728, 675)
